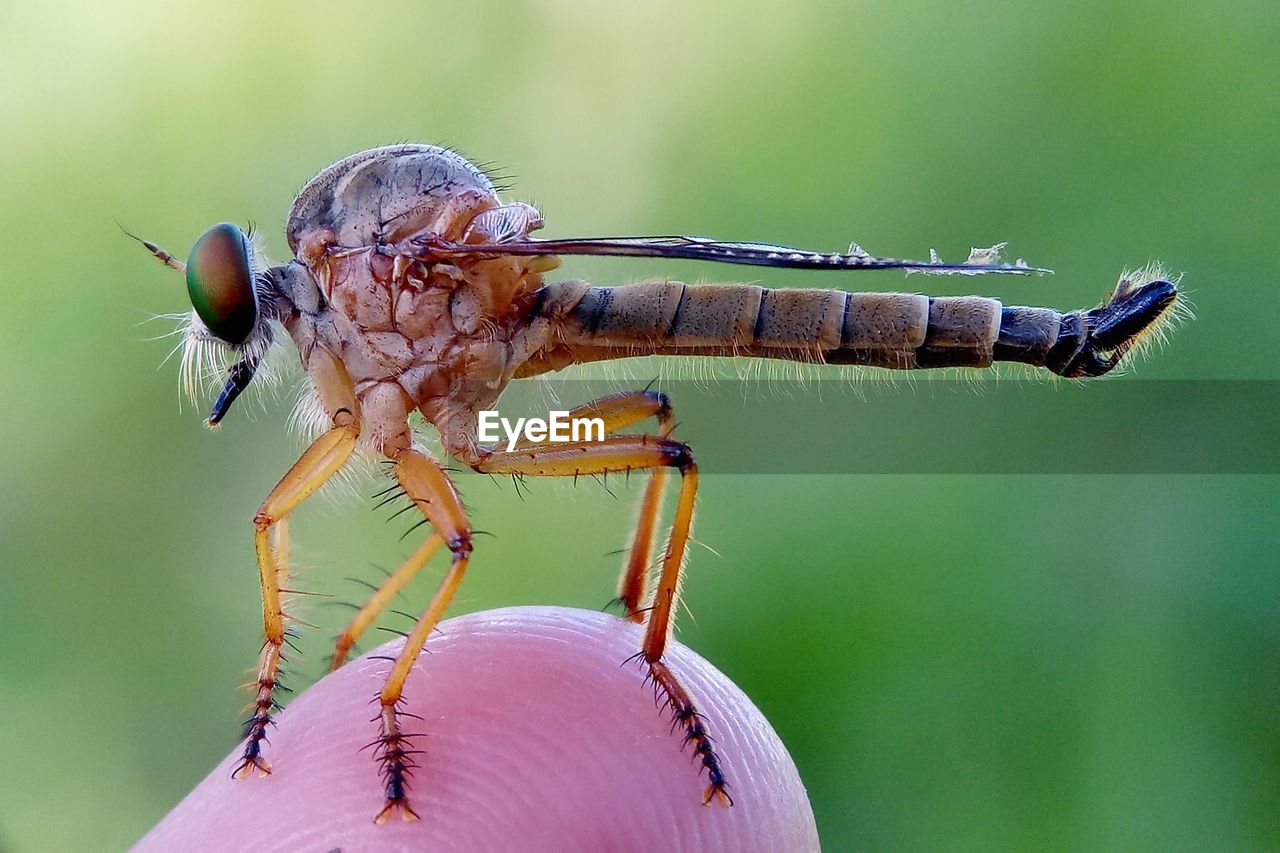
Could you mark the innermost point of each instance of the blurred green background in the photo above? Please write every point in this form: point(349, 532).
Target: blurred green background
point(960, 662)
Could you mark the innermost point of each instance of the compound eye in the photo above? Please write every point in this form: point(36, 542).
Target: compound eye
point(220, 282)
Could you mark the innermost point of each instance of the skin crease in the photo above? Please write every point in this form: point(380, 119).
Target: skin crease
point(536, 739)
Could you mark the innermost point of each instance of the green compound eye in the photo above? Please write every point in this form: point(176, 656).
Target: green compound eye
point(220, 281)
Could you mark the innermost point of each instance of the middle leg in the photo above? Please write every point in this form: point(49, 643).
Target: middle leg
point(382, 597)
point(429, 487)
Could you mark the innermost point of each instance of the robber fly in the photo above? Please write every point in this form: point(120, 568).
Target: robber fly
point(412, 286)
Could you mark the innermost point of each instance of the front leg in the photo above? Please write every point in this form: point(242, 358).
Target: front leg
point(317, 464)
point(326, 455)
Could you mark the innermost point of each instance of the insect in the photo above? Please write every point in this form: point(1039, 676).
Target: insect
point(414, 287)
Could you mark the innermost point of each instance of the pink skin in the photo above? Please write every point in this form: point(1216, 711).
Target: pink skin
point(535, 739)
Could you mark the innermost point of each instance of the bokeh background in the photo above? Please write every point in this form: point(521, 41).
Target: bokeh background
point(980, 661)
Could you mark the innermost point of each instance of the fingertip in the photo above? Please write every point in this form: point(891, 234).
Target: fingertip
point(534, 735)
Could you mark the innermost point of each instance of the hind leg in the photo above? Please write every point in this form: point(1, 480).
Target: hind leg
point(624, 453)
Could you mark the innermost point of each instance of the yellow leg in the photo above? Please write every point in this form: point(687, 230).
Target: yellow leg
point(429, 487)
point(318, 463)
point(378, 602)
point(633, 581)
point(619, 411)
point(626, 453)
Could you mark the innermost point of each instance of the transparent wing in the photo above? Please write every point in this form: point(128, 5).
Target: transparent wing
point(980, 261)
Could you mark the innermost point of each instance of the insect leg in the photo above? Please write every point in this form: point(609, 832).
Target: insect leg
point(429, 487)
point(626, 453)
point(632, 584)
point(378, 602)
point(619, 411)
point(385, 413)
point(317, 464)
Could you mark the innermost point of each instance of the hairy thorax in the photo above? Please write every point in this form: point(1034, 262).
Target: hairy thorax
point(447, 334)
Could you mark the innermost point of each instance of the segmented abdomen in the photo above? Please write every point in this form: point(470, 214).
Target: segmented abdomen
point(894, 330)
